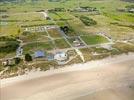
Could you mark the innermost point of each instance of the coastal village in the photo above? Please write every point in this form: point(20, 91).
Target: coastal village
point(59, 55)
point(55, 42)
point(66, 49)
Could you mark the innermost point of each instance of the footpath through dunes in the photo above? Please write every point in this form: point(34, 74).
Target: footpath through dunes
point(116, 80)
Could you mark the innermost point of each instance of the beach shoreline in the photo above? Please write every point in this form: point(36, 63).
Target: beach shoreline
point(69, 68)
point(76, 82)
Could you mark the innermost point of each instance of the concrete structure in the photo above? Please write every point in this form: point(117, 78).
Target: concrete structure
point(76, 43)
point(8, 62)
point(46, 16)
point(19, 52)
point(50, 57)
point(61, 56)
point(131, 10)
point(39, 28)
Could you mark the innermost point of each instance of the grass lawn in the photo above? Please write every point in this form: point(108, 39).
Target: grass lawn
point(54, 16)
point(31, 37)
point(61, 16)
point(61, 44)
point(94, 39)
point(65, 15)
point(10, 29)
point(37, 46)
point(33, 16)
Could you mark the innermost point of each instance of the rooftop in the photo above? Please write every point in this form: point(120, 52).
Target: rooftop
point(39, 54)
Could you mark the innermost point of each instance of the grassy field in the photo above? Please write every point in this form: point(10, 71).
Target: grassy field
point(61, 44)
point(54, 33)
point(94, 39)
point(107, 8)
point(31, 47)
point(31, 37)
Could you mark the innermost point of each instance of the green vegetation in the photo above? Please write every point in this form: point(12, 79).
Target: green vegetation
point(8, 44)
point(87, 54)
point(28, 57)
point(17, 60)
point(30, 47)
point(94, 39)
point(61, 44)
point(31, 37)
point(87, 21)
point(54, 33)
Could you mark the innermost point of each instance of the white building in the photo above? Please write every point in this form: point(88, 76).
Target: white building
point(19, 52)
point(61, 56)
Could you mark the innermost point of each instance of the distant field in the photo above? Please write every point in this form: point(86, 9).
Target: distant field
point(24, 17)
point(107, 8)
point(14, 22)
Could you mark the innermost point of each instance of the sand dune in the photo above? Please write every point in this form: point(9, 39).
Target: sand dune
point(112, 80)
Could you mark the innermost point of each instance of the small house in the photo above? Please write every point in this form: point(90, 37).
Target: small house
point(8, 62)
point(76, 43)
point(131, 10)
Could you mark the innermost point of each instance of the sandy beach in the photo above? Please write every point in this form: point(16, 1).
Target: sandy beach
point(107, 79)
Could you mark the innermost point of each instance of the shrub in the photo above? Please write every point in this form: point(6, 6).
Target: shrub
point(9, 46)
point(87, 21)
point(17, 60)
point(28, 57)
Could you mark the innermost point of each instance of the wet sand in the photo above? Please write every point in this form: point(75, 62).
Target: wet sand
point(112, 81)
point(120, 93)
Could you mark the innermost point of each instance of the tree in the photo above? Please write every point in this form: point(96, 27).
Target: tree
point(28, 57)
point(66, 29)
point(17, 60)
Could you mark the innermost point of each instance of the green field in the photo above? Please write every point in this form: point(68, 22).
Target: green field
point(31, 37)
point(94, 39)
point(31, 47)
point(107, 8)
point(54, 33)
point(61, 44)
